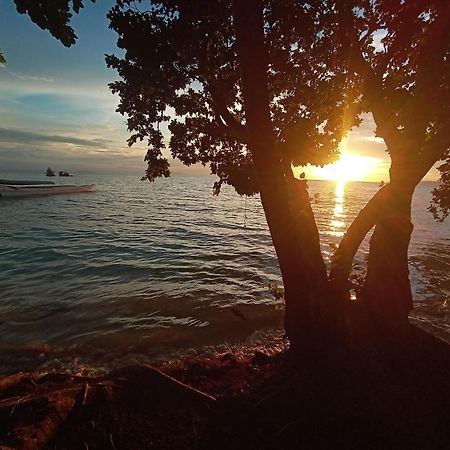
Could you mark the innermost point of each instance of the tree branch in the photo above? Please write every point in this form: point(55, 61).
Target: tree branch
point(231, 125)
point(341, 265)
point(386, 126)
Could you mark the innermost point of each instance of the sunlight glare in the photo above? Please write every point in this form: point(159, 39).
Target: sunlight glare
point(350, 167)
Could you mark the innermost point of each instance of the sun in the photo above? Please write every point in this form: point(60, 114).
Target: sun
point(350, 167)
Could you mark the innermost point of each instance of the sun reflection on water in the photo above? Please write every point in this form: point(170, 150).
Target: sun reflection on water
point(337, 224)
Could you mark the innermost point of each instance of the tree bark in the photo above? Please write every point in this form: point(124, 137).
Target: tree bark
point(285, 200)
point(342, 262)
point(386, 294)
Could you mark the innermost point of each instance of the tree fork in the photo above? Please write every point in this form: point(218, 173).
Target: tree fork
point(342, 261)
point(386, 295)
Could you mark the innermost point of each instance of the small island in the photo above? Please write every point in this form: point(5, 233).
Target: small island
point(50, 172)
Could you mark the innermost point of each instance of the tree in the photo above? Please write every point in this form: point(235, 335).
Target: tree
point(53, 15)
point(252, 88)
point(440, 205)
point(406, 89)
point(276, 87)
point(250, 91)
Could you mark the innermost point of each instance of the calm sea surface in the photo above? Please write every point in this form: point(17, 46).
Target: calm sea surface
point(136, 271)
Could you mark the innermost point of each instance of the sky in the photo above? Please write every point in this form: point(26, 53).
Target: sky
point(56, 109)
point(55, 106)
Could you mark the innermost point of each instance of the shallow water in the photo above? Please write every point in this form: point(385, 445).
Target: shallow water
point(147, 269)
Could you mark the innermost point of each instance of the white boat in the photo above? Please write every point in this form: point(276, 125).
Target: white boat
point(11, 189)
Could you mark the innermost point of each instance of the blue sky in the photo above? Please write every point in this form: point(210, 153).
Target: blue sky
point(55, 106)
point(56, 109)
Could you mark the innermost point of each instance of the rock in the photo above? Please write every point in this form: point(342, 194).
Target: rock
point(260, 359)
point(228, 357)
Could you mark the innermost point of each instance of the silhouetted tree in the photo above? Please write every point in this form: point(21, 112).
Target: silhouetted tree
point(440, 205)
point(250, 89)
point(253, 87)
point(53, 15)
point(406, 79)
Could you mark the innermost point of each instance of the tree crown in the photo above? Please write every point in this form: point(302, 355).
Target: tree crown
point(180, 72)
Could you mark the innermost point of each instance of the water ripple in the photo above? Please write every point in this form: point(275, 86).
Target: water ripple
point(161, 264)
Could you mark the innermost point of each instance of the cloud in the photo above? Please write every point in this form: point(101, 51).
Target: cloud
point(28, 152)
point(36, 157)
point(362, 140)
point(9, 135)
point(376, 139)
point(44, 78)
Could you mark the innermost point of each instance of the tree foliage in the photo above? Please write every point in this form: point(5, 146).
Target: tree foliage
point(53, 15)
point(180, 70)
point(401, 50)
point(440, 205)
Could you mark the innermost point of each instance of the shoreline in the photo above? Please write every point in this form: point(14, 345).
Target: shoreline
point(391, 396)
point(44, 358)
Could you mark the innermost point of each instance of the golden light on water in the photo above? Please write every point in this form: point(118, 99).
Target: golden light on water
point(337, 224)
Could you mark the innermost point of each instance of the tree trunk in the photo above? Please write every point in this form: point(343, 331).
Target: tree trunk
point(386, 297)
point(386, 294)
point(342, 262)
point(296, 241)
point(311, 290)
point(284, 199)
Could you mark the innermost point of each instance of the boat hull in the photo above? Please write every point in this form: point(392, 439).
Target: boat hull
point(17, 190)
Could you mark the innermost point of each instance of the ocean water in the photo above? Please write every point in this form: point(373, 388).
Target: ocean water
point(137, 271)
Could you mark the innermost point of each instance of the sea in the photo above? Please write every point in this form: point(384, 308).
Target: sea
point(144, 272)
